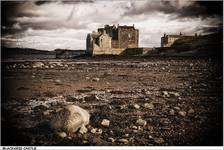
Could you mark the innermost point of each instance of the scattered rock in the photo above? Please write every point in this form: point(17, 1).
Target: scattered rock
point(111, 140)
point(172, 112)
point(70, 119)
point(125, 141)
point(134, 127)
point(141, 122)
point(182, 113)
point(61, 134)
point(96, 79)
point(105, 122)
point(159, 140)
point(149, 105)
point(136, 106)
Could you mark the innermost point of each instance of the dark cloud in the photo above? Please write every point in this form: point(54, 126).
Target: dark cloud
point(212, 7)
point(63, 1)
point(43, 2)
point(25, 19)
point(211, 29)
point(179, 8)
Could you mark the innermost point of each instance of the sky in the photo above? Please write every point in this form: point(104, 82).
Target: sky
point(48, 25)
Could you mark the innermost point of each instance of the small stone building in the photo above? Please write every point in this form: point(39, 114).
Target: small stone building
point(112, 40)
point(168, 40)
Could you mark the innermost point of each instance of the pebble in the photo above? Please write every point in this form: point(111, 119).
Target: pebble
point(61, 134)
point(58, 81)
point(96, 131)
point(165, 94)
point(83, 130)
point(182, 113)
point(150, 137)
point(126, 135)
point(134, 127)
point(93, 130)
point(105, 122)
point(172, 112)
point(159, 140)
point(111, 140)
point(136, 106)
point(191, 111)
point(125, 141)
point(141, 122)
point(46, 113)
point(96, 79)
point(38, 65)
point(164, 121)
point(149, 105)
point(177, 108)
point(174, 94)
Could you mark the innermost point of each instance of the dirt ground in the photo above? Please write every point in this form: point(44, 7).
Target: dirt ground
point(148, 101)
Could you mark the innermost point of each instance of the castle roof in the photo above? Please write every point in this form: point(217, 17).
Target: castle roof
point(126, 26)
point(95, 35)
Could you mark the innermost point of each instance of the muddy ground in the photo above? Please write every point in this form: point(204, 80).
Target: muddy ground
point(148, 101)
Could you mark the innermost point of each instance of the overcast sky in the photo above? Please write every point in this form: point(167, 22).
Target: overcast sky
point(48, 25)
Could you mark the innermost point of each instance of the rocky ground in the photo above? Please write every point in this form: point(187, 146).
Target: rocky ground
point(151, 101)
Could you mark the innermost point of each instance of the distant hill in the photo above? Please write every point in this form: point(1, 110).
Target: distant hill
point(208, 45)
point(25, 53)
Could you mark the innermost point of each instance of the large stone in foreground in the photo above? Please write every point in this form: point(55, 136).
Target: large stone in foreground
point(70, 119)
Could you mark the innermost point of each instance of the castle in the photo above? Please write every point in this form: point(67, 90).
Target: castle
point(112, 40)
point(168, 40)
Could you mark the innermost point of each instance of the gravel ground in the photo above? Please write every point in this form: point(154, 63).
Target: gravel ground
point(136, 102)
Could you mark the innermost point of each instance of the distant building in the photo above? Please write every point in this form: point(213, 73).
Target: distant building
point(66, 54)
point(168, 40)
point(112, 40)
